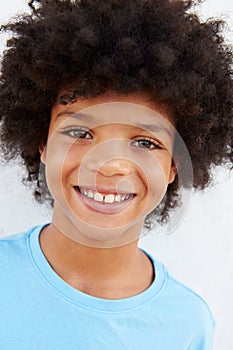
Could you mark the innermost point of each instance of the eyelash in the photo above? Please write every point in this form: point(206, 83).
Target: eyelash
point(151, 142)
point(84, 132)
point(81, 133)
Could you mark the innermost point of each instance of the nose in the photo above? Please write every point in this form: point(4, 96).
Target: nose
point(115, 166)
point(110, 159)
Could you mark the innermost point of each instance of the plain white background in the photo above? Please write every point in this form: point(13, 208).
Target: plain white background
point(199, 253)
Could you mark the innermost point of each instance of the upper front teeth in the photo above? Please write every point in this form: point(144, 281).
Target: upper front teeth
point(106, 198)
point(98, 197)
point(109, 198)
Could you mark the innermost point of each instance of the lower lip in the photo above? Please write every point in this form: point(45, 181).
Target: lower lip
point(106, 208)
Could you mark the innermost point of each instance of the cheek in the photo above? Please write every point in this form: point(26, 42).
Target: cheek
point(61, 161)
point(157, 181)
point(156, 170)
point(156, 176)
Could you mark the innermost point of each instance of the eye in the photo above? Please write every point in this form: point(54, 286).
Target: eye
point(78, 133)
point(149, 144)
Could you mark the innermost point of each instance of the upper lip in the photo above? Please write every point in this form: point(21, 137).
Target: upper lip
point(104, 189)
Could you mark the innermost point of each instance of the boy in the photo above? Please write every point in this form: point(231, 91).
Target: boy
point(99, 92)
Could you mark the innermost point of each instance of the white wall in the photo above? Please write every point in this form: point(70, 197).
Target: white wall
point(199, 253)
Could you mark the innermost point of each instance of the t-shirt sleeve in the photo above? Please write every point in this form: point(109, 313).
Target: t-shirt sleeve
point(203, 340)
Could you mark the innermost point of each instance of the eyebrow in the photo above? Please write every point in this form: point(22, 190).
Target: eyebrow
point(90, 118)
point(81, 116)
point(154, 128)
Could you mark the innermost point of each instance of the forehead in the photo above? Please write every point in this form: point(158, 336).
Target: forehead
point(134, 110)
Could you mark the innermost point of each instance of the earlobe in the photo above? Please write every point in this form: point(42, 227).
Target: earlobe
point(42, 151)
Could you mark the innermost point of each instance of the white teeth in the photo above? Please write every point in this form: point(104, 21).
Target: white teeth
point(118, 198)
point(109, 198)
point(90, 194)
point(98, 197)
point(105, 198)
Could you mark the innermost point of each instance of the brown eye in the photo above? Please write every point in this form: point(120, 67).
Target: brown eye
point(78, 133)
point(147, 144)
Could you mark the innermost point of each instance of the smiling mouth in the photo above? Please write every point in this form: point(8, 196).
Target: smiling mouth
point(104, 198)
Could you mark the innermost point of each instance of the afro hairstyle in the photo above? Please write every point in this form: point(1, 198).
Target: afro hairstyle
point(86, 47)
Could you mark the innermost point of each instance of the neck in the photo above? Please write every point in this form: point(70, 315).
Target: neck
point(87, 268)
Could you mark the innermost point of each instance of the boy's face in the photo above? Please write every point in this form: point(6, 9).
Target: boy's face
point(108, 164)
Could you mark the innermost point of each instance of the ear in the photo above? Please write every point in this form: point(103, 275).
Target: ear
point(173, 172)
point(42, 150)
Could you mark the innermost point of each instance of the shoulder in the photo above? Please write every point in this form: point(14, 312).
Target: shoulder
point(9, 243)
point(14, 248)
point(17, 238)
point(195, 314)
point(186, 298)
point(180, 301)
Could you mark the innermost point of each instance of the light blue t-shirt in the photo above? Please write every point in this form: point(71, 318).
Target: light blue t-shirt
point(39, 311)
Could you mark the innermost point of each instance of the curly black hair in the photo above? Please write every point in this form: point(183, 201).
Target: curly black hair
point(87, 47)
